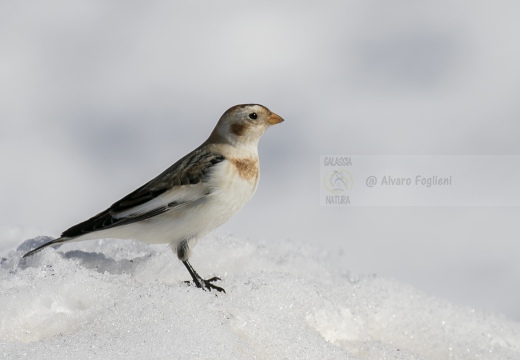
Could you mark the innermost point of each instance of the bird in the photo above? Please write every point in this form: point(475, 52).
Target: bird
point(195, 195)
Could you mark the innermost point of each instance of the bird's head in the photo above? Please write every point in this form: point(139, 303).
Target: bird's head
point(243, 125)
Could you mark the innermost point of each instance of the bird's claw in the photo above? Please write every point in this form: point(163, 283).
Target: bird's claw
point(207, 284)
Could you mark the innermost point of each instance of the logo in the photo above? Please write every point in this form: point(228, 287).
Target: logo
point(338, 181)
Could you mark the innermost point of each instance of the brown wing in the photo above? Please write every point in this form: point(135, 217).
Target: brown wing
point(191, 169)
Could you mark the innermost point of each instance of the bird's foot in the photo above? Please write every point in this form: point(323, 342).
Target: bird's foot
point(200, 282)
point(206, 284)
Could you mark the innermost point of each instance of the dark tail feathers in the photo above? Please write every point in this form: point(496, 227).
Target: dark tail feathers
point(50, 243)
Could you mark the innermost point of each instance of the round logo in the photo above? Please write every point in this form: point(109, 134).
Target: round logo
point(338, 181)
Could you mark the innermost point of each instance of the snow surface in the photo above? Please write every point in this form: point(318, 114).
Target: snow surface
point(126, 300)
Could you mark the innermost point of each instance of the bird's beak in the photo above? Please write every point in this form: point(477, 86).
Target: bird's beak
point(274, 119)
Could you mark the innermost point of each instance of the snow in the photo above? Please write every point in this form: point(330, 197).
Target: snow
point(127, 300)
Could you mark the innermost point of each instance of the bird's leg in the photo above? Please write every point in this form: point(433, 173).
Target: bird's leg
point(200, 282)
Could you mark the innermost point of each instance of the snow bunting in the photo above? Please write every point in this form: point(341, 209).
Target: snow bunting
point(195, 195)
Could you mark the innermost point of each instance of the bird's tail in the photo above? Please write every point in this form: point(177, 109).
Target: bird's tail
point(50, 243)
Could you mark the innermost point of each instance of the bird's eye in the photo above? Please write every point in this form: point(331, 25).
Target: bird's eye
point(253, 116)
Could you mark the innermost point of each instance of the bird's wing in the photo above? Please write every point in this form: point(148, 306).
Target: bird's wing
point(182, 183)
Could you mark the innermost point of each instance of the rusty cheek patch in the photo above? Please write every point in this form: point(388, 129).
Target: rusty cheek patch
point(247, 169)
point(238, 129)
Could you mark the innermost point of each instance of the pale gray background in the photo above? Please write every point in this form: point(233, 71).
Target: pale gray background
point(98, 97)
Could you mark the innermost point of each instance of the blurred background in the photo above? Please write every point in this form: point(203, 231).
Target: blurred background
point(98, 97)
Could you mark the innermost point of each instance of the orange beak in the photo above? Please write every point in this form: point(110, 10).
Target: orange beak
point(274, 119)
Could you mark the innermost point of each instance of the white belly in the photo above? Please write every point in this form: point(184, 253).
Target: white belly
point(229, 193)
